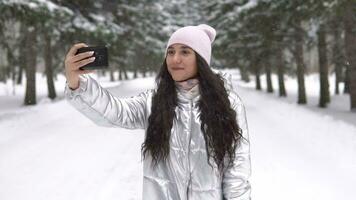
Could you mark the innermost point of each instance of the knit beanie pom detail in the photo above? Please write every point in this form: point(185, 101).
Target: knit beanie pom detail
point(210, 31)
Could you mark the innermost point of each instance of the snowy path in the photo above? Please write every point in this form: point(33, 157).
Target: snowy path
point(297, 154)
point(53, 152)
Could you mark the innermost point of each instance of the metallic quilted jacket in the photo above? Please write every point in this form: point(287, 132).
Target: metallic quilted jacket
point(186, 175)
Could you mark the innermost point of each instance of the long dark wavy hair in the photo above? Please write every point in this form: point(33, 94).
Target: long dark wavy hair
point(218, 120)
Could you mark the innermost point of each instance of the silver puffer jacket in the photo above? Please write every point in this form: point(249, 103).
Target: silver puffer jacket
point(185, 175)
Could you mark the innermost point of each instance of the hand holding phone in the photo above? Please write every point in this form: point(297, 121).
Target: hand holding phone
point(73, 62)
point(101, 57)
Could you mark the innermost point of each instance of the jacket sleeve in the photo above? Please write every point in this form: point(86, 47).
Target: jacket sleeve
point(236, 184)
point(101, 107)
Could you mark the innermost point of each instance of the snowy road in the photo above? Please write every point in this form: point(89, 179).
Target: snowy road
point(52, 152)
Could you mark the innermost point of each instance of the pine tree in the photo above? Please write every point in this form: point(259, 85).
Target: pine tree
point(350, 41)
point(323, 67)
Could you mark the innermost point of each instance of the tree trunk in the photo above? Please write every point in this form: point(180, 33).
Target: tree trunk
point(135, 73)
point(112, 78)
point(7, 68)
point(268, 75)
point(49, 67)
point(22, 53)
point(347, 78)
point(2, 75)
point(298, 54)
point(350, 41)
point(280, 71)
point(102, 73)
point(19, 77)
point(12, 67)
point(337, 53)
point(120, 74)
point(244, 73)
point(144, 70)
point(125, 73)
point(13, 78)
point(324, 97)
point(31, 54)
point(257, 75)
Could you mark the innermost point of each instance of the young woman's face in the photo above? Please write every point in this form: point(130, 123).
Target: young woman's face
point(181, 62)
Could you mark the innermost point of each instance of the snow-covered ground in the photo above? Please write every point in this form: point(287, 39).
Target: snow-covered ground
point(51, 151)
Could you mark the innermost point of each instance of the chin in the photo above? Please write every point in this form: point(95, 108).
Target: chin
point(179, 78)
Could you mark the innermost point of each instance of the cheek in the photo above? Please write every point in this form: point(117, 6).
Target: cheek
point(193, 66)
point(168, 62)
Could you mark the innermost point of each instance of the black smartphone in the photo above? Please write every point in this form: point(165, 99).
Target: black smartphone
point(101, 57)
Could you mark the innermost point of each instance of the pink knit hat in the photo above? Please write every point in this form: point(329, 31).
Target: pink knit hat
point(199, 38)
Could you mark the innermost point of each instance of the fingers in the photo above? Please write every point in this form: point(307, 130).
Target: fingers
point(73, 62)
point(74, 48)
point(81, 63)
point(81, 56)
point(69, 62)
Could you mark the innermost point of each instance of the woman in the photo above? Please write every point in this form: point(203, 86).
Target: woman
point(196, 143)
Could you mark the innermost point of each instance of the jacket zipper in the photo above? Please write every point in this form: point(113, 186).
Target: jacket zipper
point(190, 139)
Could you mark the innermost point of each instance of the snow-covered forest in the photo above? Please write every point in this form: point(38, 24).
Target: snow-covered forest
point(293, 64)
point(287, 38)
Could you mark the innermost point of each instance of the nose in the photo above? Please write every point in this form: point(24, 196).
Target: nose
point(177, 58)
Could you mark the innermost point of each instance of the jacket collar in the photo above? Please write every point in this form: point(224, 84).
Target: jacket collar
point(187, 97)
point(193, 95)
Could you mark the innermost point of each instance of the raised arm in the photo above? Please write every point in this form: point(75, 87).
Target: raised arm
point(104, 109)
point(97, 103)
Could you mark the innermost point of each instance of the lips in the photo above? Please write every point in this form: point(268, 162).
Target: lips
point(177, 68)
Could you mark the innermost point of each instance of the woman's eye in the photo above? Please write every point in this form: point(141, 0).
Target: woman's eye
point(170, 52)
point(185, 52)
